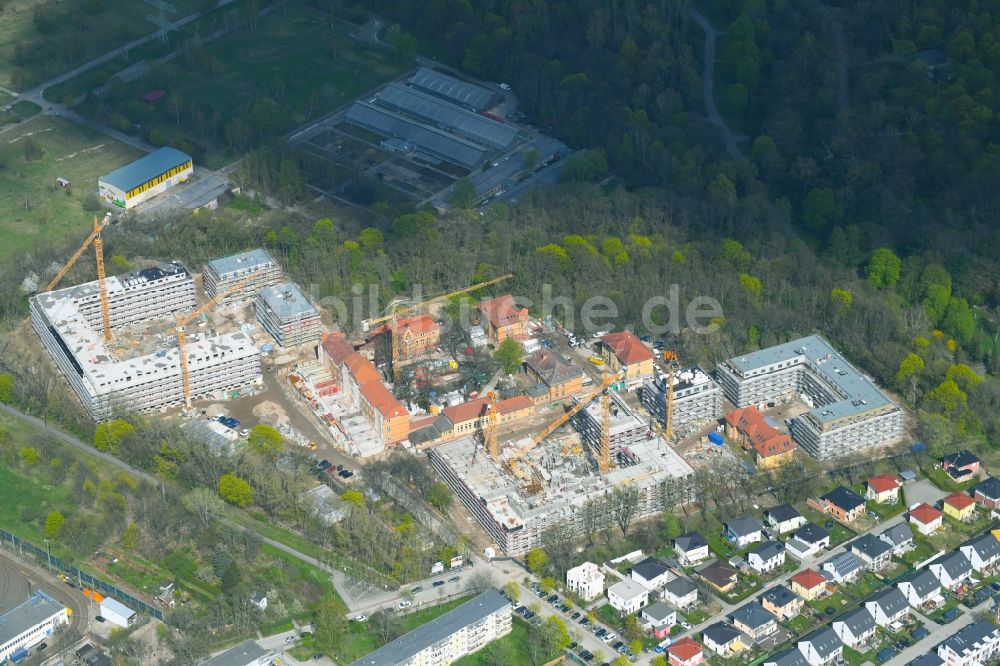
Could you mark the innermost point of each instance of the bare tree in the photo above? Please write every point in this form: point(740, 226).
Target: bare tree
point(624, 501)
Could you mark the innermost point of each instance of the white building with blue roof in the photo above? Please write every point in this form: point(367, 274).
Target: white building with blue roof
point(143, 179)
point(26, 625)
point(848, 411)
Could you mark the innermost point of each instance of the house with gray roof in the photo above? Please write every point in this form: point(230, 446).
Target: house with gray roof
point(784, 518)
point(983, 552)
point(744, 531)
point(855, 628)
point(952, 569)
point(926, 660)
point(821, 647)
point(977, 643)
point(874, 553)
point(781, 601)
point(680, 592)
point(842, 568)
point(461, 631)
point(899, 537)
point(652, 573)
point(921, 587)
point(691, 548)
point(767, 557)
point(888, 606)
point(814, 535)
point(792, 657)
point(723, 639)
point(754, 621)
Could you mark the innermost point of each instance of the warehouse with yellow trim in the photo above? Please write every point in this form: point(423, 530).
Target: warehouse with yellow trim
point(145, 178)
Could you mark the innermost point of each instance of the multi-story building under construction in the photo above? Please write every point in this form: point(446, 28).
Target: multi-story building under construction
point(285, 313)
point(225, 272)
point(516, 518)
point(626, 426)
point(697, 400)
point(848, 412)
point(69, 323)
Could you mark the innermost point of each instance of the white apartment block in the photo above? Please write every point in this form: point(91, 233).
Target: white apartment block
point(849, 413)
point(585, 581)
point(516, 520)
point(69, 323)
point(223, 273)
point(287, 315)
point(459, 632)
point(29, 623)
point(697, 399)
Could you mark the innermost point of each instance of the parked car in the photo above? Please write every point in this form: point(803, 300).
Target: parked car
point(418, 588)
point(618, 646)
point(529, 614)
point(584, 621)
point(553, 598)
point(685, 625)
point(520, 610)
point(245, 432)
point(323, 464)
point(41, 646)
point(600, 334)
point(437, 583)
point(608, 637)
point(403, 604)
point(575, 616)
point(345, 473)
point(361, 618)
point(99, 618)
point(565, 608)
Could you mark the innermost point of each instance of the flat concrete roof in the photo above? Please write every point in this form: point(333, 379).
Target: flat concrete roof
point(34, 610)
point(286, 300)
point(858, 393)
point(242, 261)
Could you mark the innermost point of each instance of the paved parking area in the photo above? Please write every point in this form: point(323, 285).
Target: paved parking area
point(922, 490)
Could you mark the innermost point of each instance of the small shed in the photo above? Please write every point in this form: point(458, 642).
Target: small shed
point(63, 182)
point(118, 613)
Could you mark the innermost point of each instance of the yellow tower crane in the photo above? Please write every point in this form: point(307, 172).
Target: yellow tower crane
point(490, 434)
point(186, 318)
point(398, 310)
point(609, 379)
point(604, 457)
point(95, 238)
point(670, 357)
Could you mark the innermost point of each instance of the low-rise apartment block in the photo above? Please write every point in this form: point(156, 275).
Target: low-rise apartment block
point(29, 623)
point(450, 637)
point(257, 267)
point(848, 412)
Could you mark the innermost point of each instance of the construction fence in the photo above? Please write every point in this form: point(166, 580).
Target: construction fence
point(23, 547)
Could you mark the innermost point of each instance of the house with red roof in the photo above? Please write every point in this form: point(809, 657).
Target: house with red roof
point(625, 352)
point(685, 652)
point(959, 506)
point(753, 431)
point(883, 489)
point(502, 319)
point(925, 518)
point(809, 584)
point(418, 335)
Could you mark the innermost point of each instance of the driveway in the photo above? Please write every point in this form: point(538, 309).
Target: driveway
point(922, 490)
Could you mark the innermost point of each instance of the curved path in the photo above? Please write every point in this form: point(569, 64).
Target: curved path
point(708, 82)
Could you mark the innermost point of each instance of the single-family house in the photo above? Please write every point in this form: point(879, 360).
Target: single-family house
point(842, 568)
point(652, 573)
point(754, 621)
point(883, 489)
point(560, 378)
point(856, 628)
point(888, 606)
point(976, 643)
point(874, 553)
point(983, 552)
point(784, 519)
point(659, 617)
point(685, 652)
point(987, 493)
point(809, 584)
point(792, 657)
point(586, 581)
point(781, 602)
point(813, 536)
point(744, 531)
point(925, 518)
point(691, 549)
point(628, 596)
point(899, 537)
point(952, 569)
point(767, 557)
point(798, 549)
point(844, 504)
point(720, 576)
point(680, 592)
point(961, 465)
point(821, 647)
point(959, 506)
point(723, 639)
point(921, 587)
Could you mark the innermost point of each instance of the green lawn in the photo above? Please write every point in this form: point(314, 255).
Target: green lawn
point(799, 624)
point(695, 617)
point(838, 532)
point(26, 501)
point(838, 601)
point(516, 651)
point(292, 68)
point(720, 546)
point(34, 211)
point(885, 511)
point(866, 585)
point(921, 551)
point(942, 480)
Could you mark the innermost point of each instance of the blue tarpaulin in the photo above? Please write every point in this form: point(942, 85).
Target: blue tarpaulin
point(716, 438)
